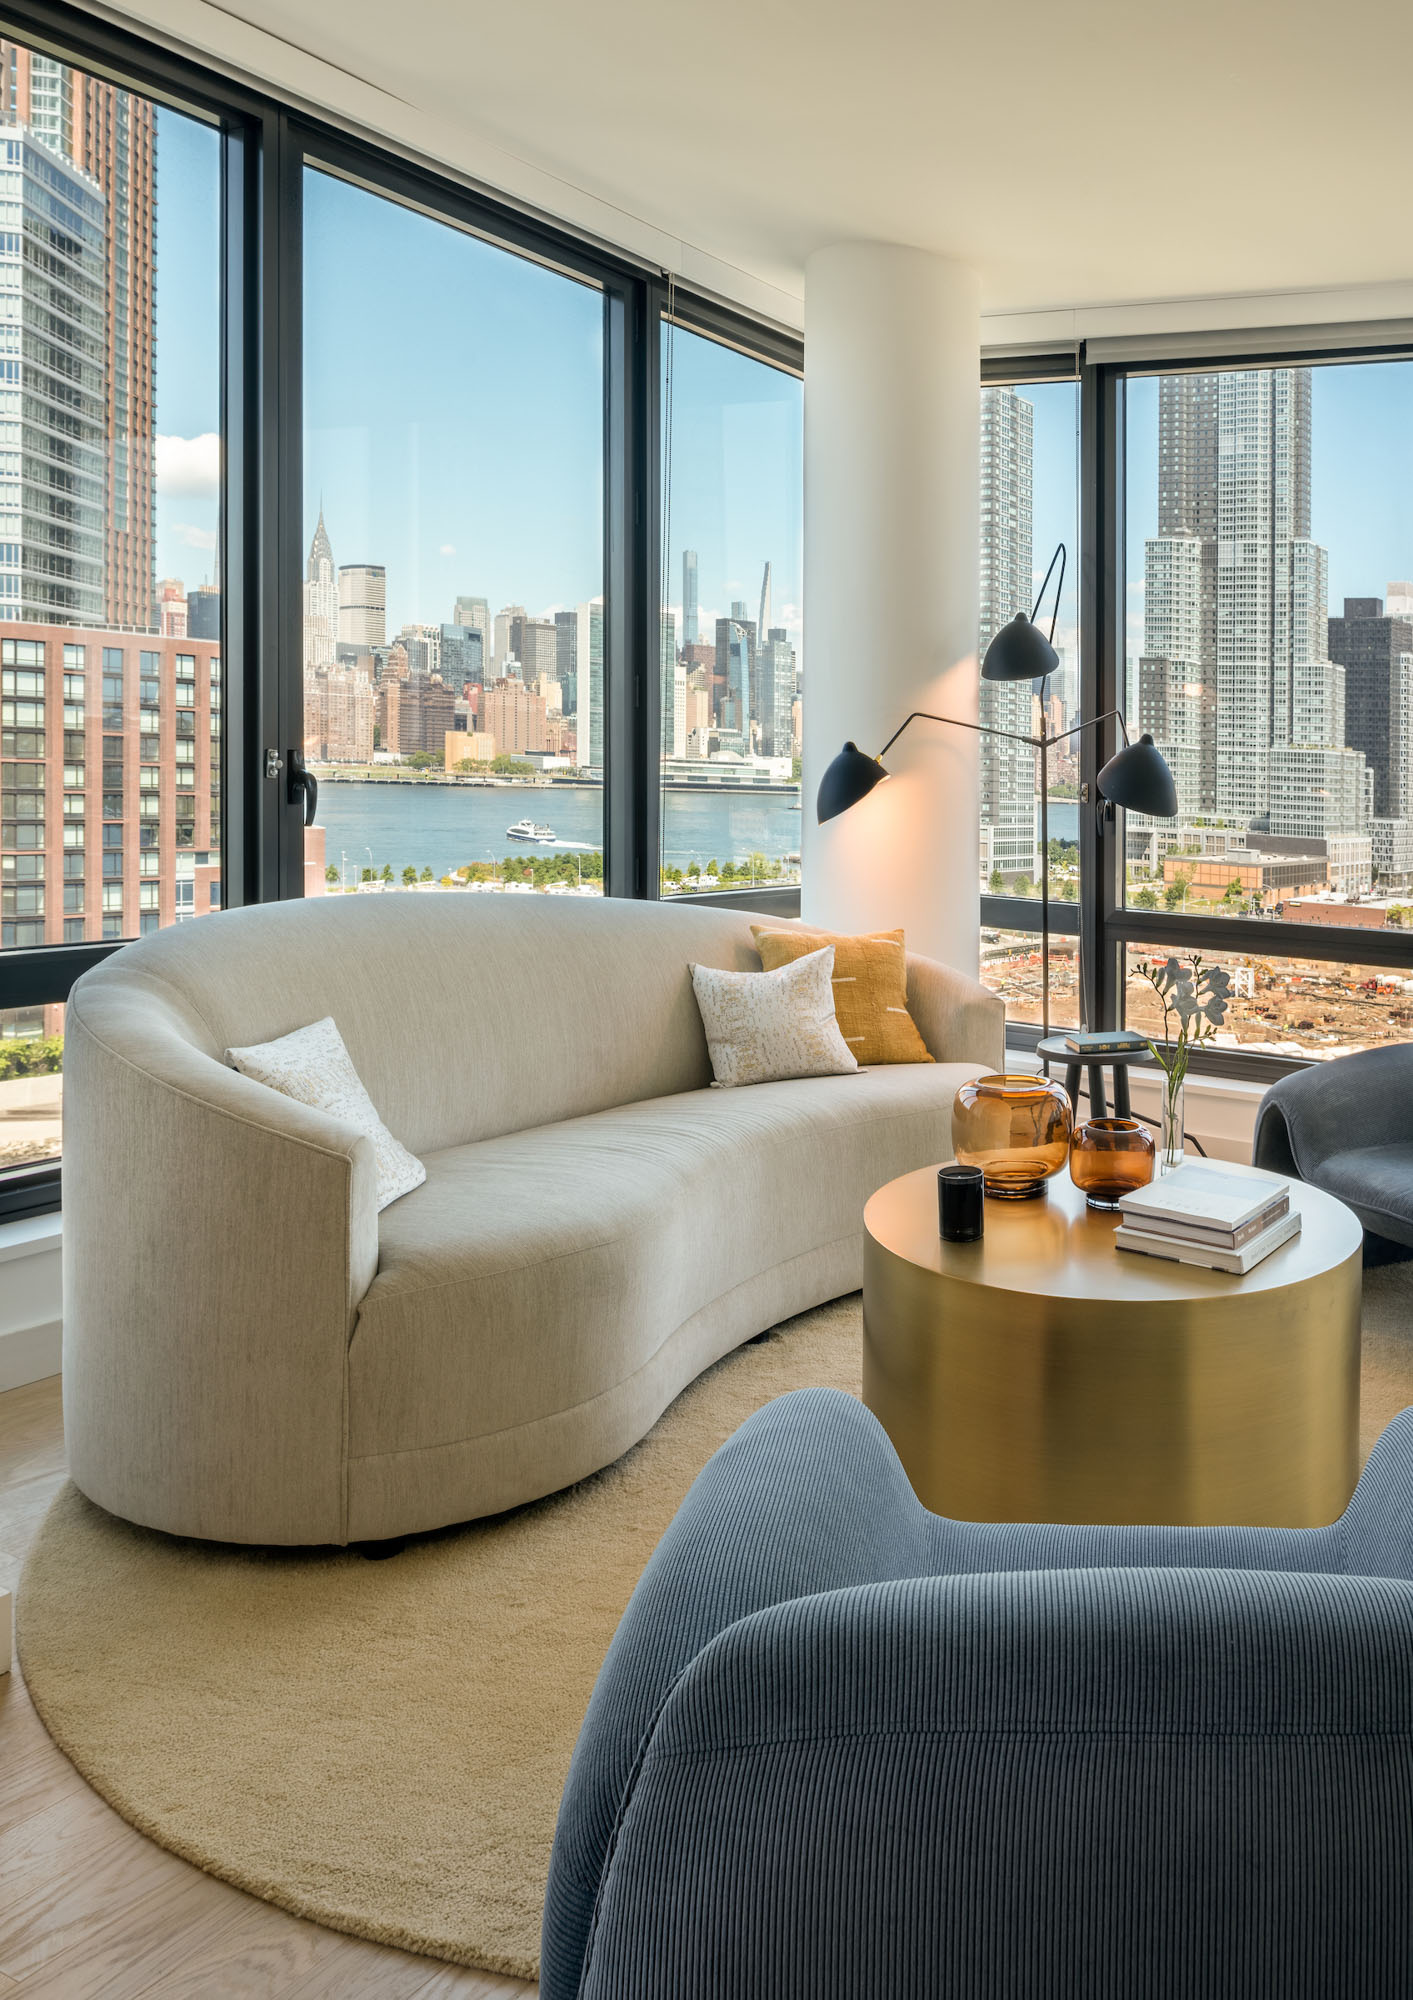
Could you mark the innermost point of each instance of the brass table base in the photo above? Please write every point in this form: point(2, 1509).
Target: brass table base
point(1044, 1375)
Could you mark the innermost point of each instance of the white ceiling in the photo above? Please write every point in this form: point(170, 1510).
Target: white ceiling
point(1091, 155)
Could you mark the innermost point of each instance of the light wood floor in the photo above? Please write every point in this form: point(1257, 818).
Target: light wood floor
point(90, 1909)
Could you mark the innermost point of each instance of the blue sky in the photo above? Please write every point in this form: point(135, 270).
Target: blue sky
point(737, 482)
point(188, 344)
point(453, 410)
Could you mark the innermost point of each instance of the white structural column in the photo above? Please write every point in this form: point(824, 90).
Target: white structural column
point(892, 414)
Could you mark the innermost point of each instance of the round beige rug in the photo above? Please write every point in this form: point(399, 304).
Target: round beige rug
point(378, 1745)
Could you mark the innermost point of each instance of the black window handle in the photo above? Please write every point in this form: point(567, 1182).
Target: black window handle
point(302, 784)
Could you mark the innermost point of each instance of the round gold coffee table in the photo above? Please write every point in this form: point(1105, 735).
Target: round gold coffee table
point(1044, 1375)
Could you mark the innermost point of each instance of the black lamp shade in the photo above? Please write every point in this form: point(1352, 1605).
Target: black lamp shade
point(1019, 652)
point(1138, 777)
point(851, 777)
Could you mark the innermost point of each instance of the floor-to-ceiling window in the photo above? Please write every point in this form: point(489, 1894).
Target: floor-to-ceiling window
point(111, 675)
point(1029, 495)
point(453, 583)
point(731, 652)
point(1269, 651)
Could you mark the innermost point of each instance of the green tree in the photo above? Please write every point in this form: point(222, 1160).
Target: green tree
point(1146, 899)
point(426, 875)
point(409, 876)
point(331, 874)
point(387, 871)
point(40, 1055)
point(796, 768)
point(712, 868)
point(1233, 893)
point(1023, 886)
point(366, 875)
point(513, 767)
point(1176, 890)
point(997, 883)
point(1068, 891)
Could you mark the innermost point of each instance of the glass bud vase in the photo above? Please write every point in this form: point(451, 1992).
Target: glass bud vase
point(1170, 1144)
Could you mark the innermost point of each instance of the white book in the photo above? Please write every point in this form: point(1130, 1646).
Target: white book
point(1203, 1193)
point(1238, 1262)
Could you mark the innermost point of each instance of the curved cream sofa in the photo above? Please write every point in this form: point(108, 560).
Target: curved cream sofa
point(253, 1354)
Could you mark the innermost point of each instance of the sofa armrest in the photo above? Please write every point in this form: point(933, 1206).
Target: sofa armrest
point(956, 1016)
point(218, 1238)
point(1027, 1785)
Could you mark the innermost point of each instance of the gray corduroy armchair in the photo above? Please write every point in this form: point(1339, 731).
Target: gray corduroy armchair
point(842, 1747)
point(1347, 1126)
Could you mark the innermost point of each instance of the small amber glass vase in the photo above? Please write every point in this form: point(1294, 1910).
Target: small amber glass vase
point(1109, 1158)
point(1016, 1129)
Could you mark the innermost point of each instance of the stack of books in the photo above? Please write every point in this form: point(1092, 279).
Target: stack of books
point(1091, 1043)
point(1199, 1215)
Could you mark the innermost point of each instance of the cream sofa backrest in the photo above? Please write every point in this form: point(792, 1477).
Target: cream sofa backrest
point(466, 1015)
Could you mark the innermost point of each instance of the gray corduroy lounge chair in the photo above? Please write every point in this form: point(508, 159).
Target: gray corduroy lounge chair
point(843, 1748)
point(1347, 1126)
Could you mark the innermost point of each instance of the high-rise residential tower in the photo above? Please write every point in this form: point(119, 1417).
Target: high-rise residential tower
point(110, 135)
point(1235, 665)
point(1177, 672)
point(673, 682)
point(1375, 648)
point(775, 678)
point(1271, 623)
point(588, 686)
point(54, 541)
point(363, 605)
point(1008, 772)
point(689, 597)
point(763, 622)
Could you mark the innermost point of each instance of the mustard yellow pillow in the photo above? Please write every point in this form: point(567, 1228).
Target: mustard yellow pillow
point(870, 988)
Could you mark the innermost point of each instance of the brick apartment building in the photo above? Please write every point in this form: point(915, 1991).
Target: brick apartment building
point(110, 805)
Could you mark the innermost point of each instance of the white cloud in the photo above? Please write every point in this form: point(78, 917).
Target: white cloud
point(189, 466)
point(447, 549)
point(194, 538)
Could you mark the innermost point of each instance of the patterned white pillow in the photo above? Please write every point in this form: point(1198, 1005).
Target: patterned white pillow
point(762, 1026)
point(313, 1067)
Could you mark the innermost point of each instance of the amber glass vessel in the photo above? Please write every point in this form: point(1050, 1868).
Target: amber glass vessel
point(1016, 1129)
point(1109, 1158)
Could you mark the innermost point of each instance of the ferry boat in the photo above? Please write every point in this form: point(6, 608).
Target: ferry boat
point(529, 829)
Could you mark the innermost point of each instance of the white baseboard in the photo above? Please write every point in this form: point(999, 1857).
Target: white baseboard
point(31, 1301)
point(30, 1353)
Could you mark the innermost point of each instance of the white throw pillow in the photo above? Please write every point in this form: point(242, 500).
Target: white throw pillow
point(313, 1067)
point(763, 1026)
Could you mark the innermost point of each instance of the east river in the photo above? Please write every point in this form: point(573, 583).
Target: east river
point(443, 827)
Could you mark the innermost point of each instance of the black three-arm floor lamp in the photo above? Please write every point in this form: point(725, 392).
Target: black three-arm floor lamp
point(1136, 776)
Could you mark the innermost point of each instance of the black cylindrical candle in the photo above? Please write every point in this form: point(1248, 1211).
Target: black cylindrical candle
point(959, 1205)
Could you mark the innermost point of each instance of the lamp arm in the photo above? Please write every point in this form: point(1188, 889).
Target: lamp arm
point(1089, 722)
point(980, 729)
point(1061, 558)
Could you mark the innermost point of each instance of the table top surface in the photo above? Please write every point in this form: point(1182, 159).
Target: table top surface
point(1057, 1049)
point(1057, 1247)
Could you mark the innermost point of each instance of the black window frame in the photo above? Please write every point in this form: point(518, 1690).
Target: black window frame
point(266, 144)
point(1102, 918)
